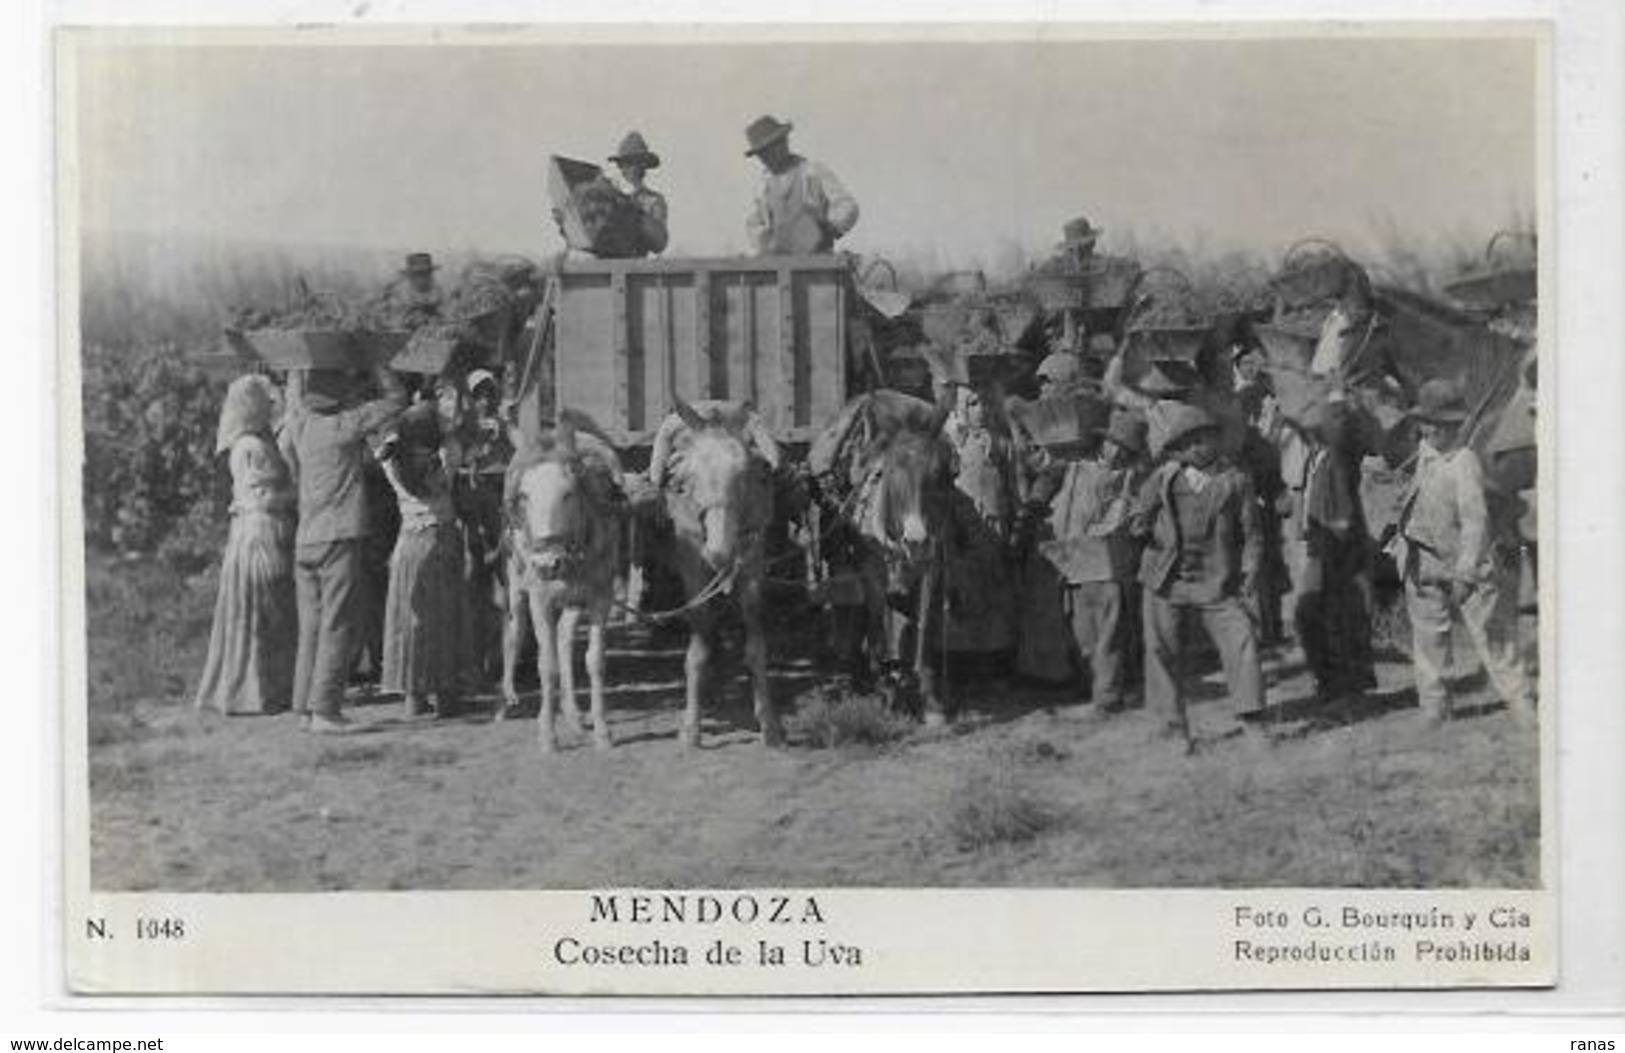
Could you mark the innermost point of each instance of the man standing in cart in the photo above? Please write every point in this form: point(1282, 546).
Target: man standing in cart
point(801, 207)
point(416, 296)
point(635, 160)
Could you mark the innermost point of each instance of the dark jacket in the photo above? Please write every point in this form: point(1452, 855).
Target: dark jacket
point(1226, 549)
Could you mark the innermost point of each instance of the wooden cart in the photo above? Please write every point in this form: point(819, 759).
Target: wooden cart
point(622, 340)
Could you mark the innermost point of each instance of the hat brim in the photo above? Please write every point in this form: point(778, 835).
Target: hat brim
point(430, 269)
point(1067, 447)
point(779, 134)
point(1453, 416)
point(649, 160)
point(1174, 442)
point(1163, 387)
point(1118, 441)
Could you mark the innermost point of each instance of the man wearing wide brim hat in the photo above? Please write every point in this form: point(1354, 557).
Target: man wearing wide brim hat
point(419, 265)
point(1452, 566)
point(1096, 556)
point(635, 161)
point(1203, 555)
point(1072, 256)
point(1079, 235)
point(415, 298)
point(801, 207)
point(1163, 389)
point(1439, 402)
point(633, 150)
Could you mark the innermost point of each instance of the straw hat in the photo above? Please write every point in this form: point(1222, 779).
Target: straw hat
point(633, 150)
point(765, 131)
point(1440, 402)
point(1128, 430)
point(1185, 421)
point(1164, 379)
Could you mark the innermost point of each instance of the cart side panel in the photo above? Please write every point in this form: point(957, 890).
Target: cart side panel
point(660, 316)
point(634, 336)
point(745, 331)
point(821, 350)
point(589, 356)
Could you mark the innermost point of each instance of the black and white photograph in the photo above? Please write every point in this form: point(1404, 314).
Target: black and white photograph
point(973, 459)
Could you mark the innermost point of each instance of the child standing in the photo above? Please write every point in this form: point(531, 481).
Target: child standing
point(1202, 560)
point(980, 577)
point(1448, 559)
point(1096, 556)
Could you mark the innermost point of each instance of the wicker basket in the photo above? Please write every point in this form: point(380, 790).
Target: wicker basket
point(324, 348)
point(945, 323)
point(1493, 289)
point(1314, 270)
point(1286, 346)
point(1105, 285)
point(1170, 343)
point(1061, 420)
point(612, 232)
point(1060, 292)
point(428, 352)
point(993, 369)
point(1016, 315)
point(1111, 281)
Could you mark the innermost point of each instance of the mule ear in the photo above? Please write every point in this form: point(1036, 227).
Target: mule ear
point(939, 418)
point(564, 433)
point(687, 414)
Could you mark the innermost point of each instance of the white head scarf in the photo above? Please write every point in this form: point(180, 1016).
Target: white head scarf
point(246, 410)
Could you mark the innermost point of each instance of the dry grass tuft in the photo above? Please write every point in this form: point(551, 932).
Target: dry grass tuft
point(992, 810)
point(353, 758)
point(830, 717)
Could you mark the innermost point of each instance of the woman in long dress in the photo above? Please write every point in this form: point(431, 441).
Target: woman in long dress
point(981, 578)
point(249, 668)
point(426, 617)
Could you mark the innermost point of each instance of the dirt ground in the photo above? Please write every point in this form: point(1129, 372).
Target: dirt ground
point(1022, 791)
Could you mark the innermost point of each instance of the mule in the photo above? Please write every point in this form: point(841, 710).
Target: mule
point(565, 539)
point(717, 493)
point(885, 477)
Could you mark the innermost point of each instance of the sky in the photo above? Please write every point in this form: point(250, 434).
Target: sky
point(954, 150)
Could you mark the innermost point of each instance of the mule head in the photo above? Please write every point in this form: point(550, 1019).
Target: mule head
point(915, 480)
point(725, 481)
point(553, 513)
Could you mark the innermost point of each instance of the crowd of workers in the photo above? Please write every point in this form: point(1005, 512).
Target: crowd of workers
point(367, 527)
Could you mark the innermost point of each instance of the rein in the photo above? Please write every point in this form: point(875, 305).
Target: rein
point(720, 584)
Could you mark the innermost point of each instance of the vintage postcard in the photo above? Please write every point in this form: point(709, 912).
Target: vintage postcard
point(806, 511)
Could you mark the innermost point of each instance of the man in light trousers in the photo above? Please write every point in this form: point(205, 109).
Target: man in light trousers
point(1446, 552)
